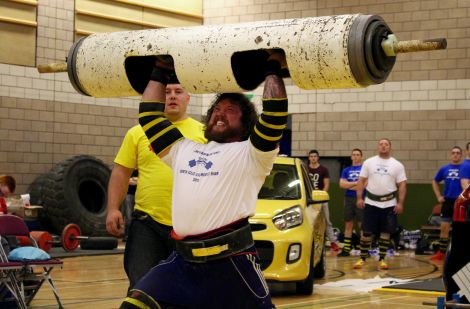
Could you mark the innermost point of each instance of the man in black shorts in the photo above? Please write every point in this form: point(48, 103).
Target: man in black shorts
point(385, 196)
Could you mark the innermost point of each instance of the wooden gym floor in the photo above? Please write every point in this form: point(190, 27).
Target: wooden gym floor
point(100, 282)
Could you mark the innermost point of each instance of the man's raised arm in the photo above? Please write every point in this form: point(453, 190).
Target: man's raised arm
point(268, 130)
point(162, 134)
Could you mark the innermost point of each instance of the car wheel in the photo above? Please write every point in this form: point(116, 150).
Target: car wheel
point(320, 269)
point(306, 287)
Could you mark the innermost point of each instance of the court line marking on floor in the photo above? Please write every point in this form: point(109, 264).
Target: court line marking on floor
point(325, 301)
point(422, 292)
point(352, 301)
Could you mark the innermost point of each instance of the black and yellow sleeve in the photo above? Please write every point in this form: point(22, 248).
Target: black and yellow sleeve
point(162, 134)
point(272, 122)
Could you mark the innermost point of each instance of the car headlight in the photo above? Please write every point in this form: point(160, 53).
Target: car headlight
point(288, 218)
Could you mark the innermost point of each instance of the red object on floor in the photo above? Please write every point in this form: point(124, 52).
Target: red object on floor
point(334, 246)
point(438, 256)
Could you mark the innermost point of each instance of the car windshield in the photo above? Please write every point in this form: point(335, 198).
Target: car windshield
point(282, 184)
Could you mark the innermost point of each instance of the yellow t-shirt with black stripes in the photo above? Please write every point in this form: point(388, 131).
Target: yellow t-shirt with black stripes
point(154, 186)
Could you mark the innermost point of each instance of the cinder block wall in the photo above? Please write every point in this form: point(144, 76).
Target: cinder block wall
point(43, 121)
point(424, 106)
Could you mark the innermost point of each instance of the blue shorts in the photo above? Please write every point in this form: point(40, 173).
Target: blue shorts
point(233, 282)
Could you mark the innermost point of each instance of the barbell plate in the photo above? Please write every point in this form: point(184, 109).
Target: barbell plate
point(69, 237)
point(43, 239)
point(23, 241)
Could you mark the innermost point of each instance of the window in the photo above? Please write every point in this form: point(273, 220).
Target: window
point(18, 26)
point(93, 16)
point(282, 184)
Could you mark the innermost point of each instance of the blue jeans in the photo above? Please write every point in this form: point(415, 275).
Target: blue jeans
point(148, 242)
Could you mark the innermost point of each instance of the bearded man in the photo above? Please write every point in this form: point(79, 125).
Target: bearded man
point(215, 188)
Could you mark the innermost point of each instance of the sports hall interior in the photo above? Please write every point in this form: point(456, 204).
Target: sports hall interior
point(423, 108)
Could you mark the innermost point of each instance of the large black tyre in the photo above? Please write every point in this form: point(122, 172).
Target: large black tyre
point(35, 190)
point(36, 197)
point(99, 243)
point(76, 191)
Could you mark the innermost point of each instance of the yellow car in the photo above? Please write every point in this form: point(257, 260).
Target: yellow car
point(289, 226)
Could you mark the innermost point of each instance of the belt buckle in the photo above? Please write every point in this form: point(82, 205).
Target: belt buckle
point(208, 251)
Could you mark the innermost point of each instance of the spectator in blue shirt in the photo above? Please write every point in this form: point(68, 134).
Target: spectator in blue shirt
point(348, 181)
point(450, 174)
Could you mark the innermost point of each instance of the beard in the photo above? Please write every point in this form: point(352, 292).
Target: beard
point(225, 136)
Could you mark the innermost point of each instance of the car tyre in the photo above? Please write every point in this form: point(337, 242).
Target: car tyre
point(320, 269)
point(306, 287)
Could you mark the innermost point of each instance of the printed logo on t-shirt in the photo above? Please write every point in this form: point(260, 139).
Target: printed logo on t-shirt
point(453, 173)
point(354, 175)
point(381, 170)
point(201, 159)
point(315, 180)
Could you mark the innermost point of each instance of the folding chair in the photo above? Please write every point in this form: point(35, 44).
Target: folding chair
point(24, 278)
point(9, 283)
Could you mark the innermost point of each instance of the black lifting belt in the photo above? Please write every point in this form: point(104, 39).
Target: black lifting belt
point(204, 250)
point(381, 198)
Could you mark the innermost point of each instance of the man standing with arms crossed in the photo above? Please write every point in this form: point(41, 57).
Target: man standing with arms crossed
point(348, 181)
point(451, 177)
point(386, 178)
point(148, 240)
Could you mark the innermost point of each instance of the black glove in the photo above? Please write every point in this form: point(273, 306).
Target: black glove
point(272, 67)
point(164, 76)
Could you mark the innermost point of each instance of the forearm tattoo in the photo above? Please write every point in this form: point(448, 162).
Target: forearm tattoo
point(274, 87)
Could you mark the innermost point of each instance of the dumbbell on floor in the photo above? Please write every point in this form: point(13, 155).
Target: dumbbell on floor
point(70, 239)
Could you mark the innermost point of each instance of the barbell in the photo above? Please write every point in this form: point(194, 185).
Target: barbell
point(342, 51)
point(70, 239)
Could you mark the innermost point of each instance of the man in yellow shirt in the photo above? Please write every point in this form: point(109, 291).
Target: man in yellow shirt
point(148, 239)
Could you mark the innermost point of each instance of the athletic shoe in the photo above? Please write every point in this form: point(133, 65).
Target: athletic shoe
point(438, 256)
point(383, 265)
point(334, 246)
point(344, 253)
point(359, 264)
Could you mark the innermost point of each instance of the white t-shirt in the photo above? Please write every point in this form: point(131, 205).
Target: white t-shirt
point(215, 184)
point(382, 175)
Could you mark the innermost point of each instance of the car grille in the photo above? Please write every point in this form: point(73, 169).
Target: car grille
point(257, 227)
point(265, 252)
